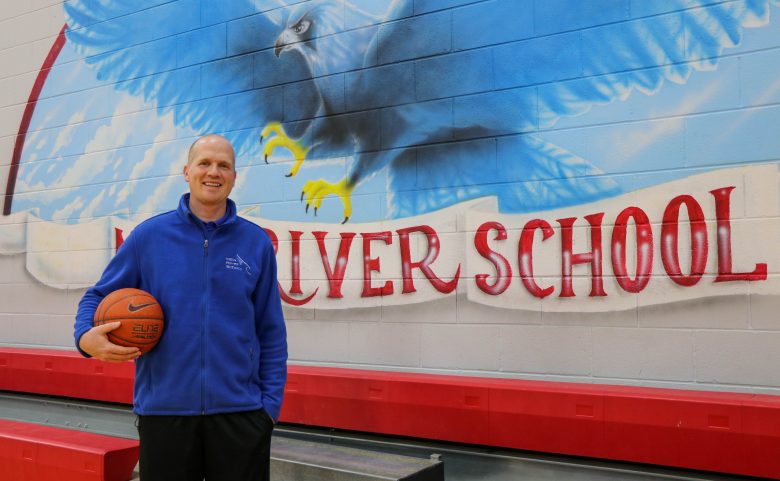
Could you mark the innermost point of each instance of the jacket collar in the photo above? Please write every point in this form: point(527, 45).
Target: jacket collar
point(185, 213)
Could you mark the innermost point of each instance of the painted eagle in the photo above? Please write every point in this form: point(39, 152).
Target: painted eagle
point(447, 104)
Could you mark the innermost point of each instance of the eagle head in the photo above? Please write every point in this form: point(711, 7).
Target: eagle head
point(307, 22)
point(297, 31)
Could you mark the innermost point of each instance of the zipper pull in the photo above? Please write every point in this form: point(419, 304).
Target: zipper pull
point(206, 247)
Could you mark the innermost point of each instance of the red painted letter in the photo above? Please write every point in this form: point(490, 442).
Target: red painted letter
point(119, 238)
point(286, 298)
point(723, 212)
point(372, 264)
point(295, 288)
point(424, 265)
point(593, 257)
point(644, 250)
point(525, 257)
point(503, 269)
point(669, 240)
point(335, 275)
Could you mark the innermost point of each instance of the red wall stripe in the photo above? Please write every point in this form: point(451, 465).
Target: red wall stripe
point(733, 433)
point(32, 101)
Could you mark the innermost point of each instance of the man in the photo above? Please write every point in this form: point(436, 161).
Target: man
point(208, 394)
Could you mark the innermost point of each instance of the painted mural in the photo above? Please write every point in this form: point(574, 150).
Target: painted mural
point(588, 156)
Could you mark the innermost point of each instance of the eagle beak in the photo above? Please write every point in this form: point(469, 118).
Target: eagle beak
point(280, 45)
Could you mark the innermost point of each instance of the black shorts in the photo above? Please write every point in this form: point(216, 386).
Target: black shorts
point(217, 447)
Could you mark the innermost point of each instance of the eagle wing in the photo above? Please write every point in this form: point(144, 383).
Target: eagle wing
point(673, 39)
point(213, 77)
point(511, 72)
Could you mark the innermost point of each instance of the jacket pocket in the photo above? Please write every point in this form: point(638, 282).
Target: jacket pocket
point(252, 365)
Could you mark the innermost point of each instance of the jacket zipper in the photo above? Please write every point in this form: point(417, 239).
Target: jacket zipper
point(203, 326)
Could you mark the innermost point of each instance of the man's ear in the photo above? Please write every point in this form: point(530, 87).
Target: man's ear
point(186, 172)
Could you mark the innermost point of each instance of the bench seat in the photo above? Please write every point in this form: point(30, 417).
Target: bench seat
point(32, 452)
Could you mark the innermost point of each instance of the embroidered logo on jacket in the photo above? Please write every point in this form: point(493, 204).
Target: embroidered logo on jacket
point(238, 264)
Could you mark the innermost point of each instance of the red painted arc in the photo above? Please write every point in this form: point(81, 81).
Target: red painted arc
point(32, 101)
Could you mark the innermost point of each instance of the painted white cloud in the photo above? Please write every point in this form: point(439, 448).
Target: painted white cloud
point(66, 132)
point(69, 209)
point(166, 129)
point(152, 201)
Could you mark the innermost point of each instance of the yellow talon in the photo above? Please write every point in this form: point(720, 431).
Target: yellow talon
point(315, 192)
point(282, 140)
point(275, 127)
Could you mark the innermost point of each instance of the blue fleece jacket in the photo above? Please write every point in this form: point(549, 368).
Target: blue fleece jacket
point(224, 344)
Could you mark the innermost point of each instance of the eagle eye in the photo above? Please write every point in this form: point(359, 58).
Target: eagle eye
point(301, 27)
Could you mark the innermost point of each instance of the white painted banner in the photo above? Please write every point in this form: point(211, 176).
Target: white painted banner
point(707, 235)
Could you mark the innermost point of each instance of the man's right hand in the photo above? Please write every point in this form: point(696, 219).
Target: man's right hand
point(95, 343)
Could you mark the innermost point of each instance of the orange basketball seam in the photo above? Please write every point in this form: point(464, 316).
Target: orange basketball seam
point(135, 341)
point(115, 302)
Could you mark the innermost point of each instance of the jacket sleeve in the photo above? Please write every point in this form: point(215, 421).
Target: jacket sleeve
point(272, 335)
point(122, 271)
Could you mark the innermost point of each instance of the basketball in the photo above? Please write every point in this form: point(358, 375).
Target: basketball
point(140, 314)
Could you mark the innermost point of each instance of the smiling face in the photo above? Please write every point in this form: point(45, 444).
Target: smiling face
point(211, 173)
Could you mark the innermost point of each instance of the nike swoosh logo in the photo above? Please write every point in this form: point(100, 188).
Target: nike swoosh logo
point(132, 307)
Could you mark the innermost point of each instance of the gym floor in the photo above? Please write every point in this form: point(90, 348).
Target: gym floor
point(461, 462)
point(472, 463)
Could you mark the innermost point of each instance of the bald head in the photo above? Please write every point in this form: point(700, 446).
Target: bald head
point(210, 140)
point(211, 175)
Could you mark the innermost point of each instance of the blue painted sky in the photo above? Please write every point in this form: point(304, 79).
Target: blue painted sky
point(109, 135)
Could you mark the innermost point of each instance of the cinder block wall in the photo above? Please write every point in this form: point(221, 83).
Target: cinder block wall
point(471, 62)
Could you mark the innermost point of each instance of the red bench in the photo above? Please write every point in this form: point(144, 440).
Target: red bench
point(65, 373)
point(737, 433)
point(30, 452)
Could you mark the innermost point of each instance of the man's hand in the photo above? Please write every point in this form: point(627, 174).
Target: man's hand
point(95, 343)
